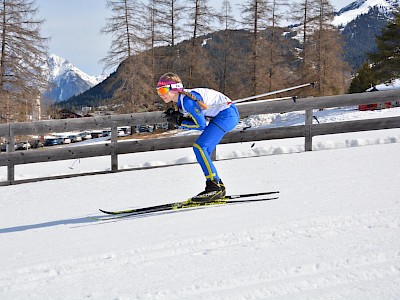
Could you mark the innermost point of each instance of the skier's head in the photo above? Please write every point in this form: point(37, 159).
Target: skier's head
point(169, 86)
point(169, 82)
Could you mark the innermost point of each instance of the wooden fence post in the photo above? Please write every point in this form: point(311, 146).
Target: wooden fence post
point(114, 155)
point(307, 129)
point(10, 148)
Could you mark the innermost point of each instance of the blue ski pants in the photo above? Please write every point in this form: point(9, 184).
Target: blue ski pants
point(204, 146)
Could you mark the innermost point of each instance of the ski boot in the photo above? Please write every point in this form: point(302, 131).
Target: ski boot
point(213, 191)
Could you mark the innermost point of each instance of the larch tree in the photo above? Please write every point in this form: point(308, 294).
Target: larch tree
point(200, 21)
point(277, 60)
point(132, 84)
point(255, 15)
point(321, 56)
point(227, 81)
point(304, 13)
point(23, 54)
point(125, 27)
point(329, 62)
point(168, 31)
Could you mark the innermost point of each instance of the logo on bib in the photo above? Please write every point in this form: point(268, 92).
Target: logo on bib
point(197, 111)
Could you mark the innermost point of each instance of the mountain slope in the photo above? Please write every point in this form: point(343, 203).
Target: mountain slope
point(240, 40)
point(361, 7)
point(360, 22)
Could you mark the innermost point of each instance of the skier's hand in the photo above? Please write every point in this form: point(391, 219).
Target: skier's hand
point(173, 116)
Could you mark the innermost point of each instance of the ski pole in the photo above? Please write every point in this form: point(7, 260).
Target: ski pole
point(274, 92)
point(267, 100)
point(204, 106)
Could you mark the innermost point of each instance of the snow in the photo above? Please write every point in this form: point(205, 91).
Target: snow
point(58, 66)
point(334, 232)
point(395, 84)
point(356, 8)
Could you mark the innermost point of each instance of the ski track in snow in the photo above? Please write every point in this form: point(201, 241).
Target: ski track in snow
point(283, 280)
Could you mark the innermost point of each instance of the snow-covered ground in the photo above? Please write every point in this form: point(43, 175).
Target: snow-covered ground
point(334, 232)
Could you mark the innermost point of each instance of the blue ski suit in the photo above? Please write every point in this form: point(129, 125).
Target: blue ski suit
point(222, 116)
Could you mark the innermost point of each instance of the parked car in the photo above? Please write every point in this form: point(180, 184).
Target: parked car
point(106, 132)
point(64, 140)
point(96, 134)
point(145, 128)
point(36, 143)
point(75, 138)
point(125, 129)
point(4, 147)
point(51, 142)
point(85, 135)
point(22, 146)
point(162, 126)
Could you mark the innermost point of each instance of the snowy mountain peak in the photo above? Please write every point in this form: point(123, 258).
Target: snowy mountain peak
point(351, 6)
point(59, 66)
point(67, 80)
point(359, 7)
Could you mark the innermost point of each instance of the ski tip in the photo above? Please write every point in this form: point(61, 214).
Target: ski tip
point(108, 212)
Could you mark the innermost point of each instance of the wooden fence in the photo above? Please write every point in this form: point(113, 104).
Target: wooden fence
point(113, 148)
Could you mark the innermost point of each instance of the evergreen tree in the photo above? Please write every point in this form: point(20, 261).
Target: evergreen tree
point(386, 60)
point(363, 80)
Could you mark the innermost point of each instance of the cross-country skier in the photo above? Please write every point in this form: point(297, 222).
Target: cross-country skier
point(196, 107)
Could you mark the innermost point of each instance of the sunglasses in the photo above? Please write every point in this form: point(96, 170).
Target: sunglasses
point(162, 90)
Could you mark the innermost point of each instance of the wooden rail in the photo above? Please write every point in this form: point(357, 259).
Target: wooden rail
point(114, 148)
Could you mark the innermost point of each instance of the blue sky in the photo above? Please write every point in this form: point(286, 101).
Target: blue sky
point(74, 28)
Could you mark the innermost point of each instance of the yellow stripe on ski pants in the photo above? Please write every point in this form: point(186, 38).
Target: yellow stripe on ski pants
point(210, 174)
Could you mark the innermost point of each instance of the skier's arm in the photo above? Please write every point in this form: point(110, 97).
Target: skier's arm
point(196, 119)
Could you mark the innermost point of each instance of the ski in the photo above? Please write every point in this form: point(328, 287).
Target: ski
point(229, 197)
point(170, 207)
point(228, 200)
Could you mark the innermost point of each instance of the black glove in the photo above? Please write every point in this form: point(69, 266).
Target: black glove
point(174, 116)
